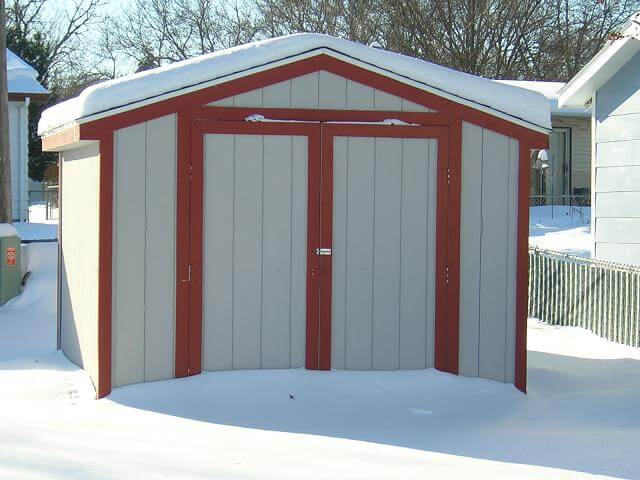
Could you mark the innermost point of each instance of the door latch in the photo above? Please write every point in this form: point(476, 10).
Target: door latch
point(323, 251)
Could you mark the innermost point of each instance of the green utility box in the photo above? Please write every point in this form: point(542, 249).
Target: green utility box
point(10, 268)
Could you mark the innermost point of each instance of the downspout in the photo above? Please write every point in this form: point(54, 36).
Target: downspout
point(23, 160)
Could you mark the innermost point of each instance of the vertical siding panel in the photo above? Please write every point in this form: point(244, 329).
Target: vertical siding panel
point(414, 311)
point(386, 267)
point(359, 96)
point(276, 252)
point(493, 284)
point(339, 254)
point(409, 106)
point(247, 284)
point(470, 244)
point(304, 91)
point(432, 188)
point(332, 91)
point(252, 98)
point(128, 344)
point(359, 253)
point(219, 206)
point(299, 169)
point(277, 95)
point(160, 248)
point(386, 101)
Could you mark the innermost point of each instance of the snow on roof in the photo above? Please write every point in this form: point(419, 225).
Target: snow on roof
point(21, 77)
point(550, 91)
point(132, 91)
point(615, 54)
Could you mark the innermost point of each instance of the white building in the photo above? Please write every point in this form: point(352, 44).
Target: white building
point(610, 83)
point(23, 88)
point(569, 172)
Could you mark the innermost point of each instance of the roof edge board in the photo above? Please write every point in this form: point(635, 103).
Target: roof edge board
point(579, 90)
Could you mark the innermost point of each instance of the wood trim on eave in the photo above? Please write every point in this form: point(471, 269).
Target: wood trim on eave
point(63, 138)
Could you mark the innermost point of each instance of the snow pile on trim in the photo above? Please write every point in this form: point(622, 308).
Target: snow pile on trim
point(522, 104)
point(21, 77)
point(8, 230)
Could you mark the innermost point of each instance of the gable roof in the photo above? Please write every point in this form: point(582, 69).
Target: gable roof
point(102, 100)
point(615, 54)
point(551, 91)
point(21, 77)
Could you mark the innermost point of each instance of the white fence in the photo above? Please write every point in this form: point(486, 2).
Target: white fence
point(581, 292)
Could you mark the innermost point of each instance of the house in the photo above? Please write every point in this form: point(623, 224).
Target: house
point(303, 201)
point(23, 88)
point(610, 84)
point(566, 172)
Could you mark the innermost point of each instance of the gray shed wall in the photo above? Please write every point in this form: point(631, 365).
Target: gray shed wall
point(143, 315)
point(616, 226)
point(488, 254)
point(79, 257)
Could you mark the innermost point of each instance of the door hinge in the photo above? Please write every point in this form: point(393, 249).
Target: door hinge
point(189, 273)
point(446, 275)
point(448, 176)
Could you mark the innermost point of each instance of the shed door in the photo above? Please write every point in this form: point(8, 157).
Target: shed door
point(254, 251)
point(383, 258)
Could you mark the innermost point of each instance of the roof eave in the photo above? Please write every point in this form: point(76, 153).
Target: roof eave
point(601, 67)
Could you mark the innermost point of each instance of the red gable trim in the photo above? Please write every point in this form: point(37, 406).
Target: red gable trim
point(193, 100)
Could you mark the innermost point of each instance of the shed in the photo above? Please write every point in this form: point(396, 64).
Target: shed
point(610, 83)
point(23, 89)
point(303, 201)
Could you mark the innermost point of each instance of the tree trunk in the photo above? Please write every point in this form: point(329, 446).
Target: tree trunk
point(5, 160)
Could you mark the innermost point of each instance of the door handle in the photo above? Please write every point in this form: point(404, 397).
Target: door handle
point(323, 251)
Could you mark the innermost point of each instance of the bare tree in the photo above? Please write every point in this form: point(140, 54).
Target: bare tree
point(154, 32)
point(5, 160)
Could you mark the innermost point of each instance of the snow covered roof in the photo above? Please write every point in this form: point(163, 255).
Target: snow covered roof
point(132, 91)
point(21, 77)
point(603, 66)
point(551, 91)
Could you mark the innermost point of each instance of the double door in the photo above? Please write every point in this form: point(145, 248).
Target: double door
point(318, 246)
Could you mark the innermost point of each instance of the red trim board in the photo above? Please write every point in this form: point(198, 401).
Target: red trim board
point(105, 249)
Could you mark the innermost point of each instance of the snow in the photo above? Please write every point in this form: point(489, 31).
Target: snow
point(28, 322)
point(561, 229)
point(217, 67)
point(551, 91)
point(21, 77)
point(579, 420)
point(8, 230)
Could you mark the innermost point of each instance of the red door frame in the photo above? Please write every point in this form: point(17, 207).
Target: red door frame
point(319, 234)
point(445, 339)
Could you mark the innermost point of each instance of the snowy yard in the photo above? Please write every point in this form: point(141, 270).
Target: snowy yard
point(560, 228)
point(580, 418)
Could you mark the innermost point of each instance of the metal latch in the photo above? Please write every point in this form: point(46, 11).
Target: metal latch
point(323, 251)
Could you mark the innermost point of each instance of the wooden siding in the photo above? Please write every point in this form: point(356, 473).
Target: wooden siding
point(143, 323)
point(383, 253)
point(255, 221)
point(321, 90)
point(79, 258)
point(488, 254)
point(617, 177)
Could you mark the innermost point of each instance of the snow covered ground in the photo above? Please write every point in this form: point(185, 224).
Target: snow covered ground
point(579, 420)
point(560, 228)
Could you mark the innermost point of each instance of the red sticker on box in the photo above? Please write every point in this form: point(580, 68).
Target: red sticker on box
point(11, 256)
